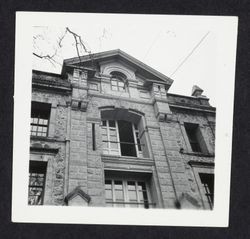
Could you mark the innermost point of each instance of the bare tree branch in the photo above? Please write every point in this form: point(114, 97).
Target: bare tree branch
point(79, 44)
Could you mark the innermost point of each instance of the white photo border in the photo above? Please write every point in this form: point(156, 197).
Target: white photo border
point(226, 30)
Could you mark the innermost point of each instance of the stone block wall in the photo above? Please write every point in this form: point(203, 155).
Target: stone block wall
point(76, 165)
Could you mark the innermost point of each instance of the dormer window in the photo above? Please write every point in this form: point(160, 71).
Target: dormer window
point(118, 81)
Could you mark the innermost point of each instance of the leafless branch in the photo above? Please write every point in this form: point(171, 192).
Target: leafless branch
point(79, 44)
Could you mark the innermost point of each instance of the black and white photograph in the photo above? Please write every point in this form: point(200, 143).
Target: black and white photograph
point(123, 119)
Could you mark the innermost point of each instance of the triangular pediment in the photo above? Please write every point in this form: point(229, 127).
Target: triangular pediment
point(118, 58)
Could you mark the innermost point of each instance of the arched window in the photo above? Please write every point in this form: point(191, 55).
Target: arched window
point(118, 80)
point(123, 133)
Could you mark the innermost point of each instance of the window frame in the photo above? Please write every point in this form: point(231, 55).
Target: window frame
point(114, 84)
point(34, 169)
point(127, 202)
point(110, 150)
point(38, 112)
point(207, 193)
point(196, 128)
point(197, 170)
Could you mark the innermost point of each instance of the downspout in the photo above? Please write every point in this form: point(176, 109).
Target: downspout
point(67, 157)
point(177, 202)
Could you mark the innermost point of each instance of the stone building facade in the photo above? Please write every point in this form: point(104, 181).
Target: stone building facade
point(106, 132)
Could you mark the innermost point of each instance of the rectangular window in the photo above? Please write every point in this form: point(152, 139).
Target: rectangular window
point(127, 193)
point(77, 73)
point(121, 138)
point(40, 113)
point(194, 136)
point(207, 181)
point(117, 85)
point(37, 176)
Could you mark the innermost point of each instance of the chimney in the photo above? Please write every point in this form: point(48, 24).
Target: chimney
point(196, 91)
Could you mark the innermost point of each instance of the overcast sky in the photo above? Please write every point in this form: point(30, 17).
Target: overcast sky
point(154, 40)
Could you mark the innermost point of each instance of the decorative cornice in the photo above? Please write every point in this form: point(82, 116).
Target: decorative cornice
point(201, 163)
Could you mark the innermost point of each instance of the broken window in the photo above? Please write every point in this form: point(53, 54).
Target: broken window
point(40, 113)
point(196, 140)
point(207, 181)
point(37, 175)
point(121, 138)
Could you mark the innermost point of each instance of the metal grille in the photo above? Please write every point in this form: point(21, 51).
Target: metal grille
point(36, 188)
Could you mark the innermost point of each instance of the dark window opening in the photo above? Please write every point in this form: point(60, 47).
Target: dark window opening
point(37, 175)
point(192, 133)
point(127, 142)
point(40, 113)
point(207, 181)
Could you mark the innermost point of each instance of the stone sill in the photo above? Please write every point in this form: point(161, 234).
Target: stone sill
point(126, 159)
point(198, 154)
point(47, 139)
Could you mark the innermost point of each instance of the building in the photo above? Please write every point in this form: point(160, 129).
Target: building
point(106, 132)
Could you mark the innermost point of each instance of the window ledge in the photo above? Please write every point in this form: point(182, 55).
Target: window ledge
point(198, 154)
point(126, 159)
point(46, 138)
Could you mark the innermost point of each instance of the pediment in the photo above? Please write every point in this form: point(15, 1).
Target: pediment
point(107, 61)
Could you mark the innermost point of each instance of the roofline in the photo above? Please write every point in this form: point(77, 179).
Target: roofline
point(47, 73)
point(104, 54)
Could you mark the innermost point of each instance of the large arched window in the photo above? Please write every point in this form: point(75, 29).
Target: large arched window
point(118, 81)
point(123, 133)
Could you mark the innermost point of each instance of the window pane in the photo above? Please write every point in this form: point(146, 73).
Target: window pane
point(113, 139)
point(105, 145)
point(140, 196)
point(141, 186)
point(35, 120)
point(132, 195)
point(114, 145)
point(131, 185)
point(108, 184)
point(118, 184)
point(34, 128)
point(104, 123)
point(112, 132)
point(40, 129)
point(114, 82)
point(111, 123)
point(104, 138)
point(41, 121)
point(119, 195)
point(121, 89)
point(104, 131)
point(108, 194)
point(120, 83)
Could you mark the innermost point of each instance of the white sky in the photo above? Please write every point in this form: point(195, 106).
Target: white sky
point(154, 40)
